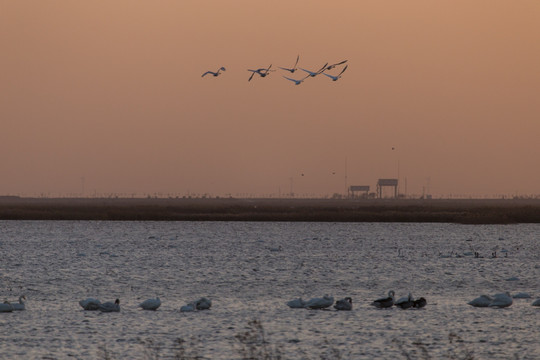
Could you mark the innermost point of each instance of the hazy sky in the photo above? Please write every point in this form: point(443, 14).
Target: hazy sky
point(111, 91)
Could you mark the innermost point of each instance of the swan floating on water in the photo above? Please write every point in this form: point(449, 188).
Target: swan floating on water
point(536, 303)
point(296, 303)
point(501, 300)
point(150, 304)
point(405, 302)
point(20, 305)
point(521, 295)
point(203, 304)
point(320, 303)
point(6, 307)
point(188, 308)
point(384, 303)
point(481, 301)
point(420, 303)
point(110, 306)
point(90, 304)
point(344, 304)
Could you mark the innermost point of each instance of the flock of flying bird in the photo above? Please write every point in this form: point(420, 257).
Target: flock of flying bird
point(264, 72)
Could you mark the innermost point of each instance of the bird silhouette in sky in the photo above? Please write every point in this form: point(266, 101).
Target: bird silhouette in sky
point(214, 73)
point(294, 68)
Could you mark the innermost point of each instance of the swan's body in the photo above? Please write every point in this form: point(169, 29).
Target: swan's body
point(296, 303)
point(320, 303)
point(203, 304)
point(405, 302)
point(344, 304)
point(20, 305)
point(315, 73)
point(335, 78)
point(188, 308)
point(420, 303)
point(384, 303)
point(521, 295)
point(501, 300)
point(6, 307)
point(294, 68)
point(150, 304)
point(262, 72)
point(296, 82)
point(110, 306)
point(481, 301)
point(90, 304)
point(214, 73)
point(536, 303)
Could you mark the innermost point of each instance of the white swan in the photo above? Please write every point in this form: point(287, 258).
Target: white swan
point(150, 304)
point(536, 303)
point(296, 82)
point(501, 300)
point(405, 302)
point(344, 304)
point(6, 307)
point(294, 68)
point(110, 306)
point(188, 308)
point(315, 73)
point(330, 67)
point(335, 78)
point(90, 304)
point(262, 72)
point(20, 305)
point(320, 303)
point(384, 303)
point(214, 73)
point(296, 303)
point(481, 301)
point(203, 304)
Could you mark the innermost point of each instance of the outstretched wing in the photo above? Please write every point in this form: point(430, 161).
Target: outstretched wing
point(342, 71)
point(208, 72)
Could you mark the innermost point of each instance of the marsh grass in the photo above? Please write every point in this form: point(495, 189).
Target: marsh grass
point(419, 350)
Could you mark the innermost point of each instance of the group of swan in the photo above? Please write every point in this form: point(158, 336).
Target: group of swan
point(264, 72)
point(8, 306)
point(321, 303)
point(149, 304)
point(93, 304)
point(406, 302)
point(201, 304)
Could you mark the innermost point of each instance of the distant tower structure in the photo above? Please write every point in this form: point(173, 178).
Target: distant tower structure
point(353, 189)
point(387, 183)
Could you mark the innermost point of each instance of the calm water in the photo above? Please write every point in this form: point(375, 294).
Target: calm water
point(55, 264)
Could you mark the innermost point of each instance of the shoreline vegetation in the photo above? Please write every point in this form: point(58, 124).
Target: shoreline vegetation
point(463, 211)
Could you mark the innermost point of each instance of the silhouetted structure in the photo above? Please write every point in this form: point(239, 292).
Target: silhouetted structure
point(353, 189)
point(387, 183)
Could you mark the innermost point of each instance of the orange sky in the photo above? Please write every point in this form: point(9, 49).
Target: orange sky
point(111, 91)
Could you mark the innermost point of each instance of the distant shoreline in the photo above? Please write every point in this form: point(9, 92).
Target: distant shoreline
point(489, 211)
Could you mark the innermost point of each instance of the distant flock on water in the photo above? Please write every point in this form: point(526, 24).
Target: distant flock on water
point(500, 300)
point(265, 71)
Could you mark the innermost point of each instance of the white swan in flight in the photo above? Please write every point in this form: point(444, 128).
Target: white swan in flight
point(335, 78)
point(90, 304)
point(110, 306)
point(296, 303)
point(262, 72)
point(320, 303)
point(20, 305)
point(294, 68)
point(315, 73)
point(296, 82)
point(344, 304)
point(6, 307)
point(501, 300)
point(214, 73)
point(330, 67)
point(384, 303)
point(150, 304)
point(203, 304)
